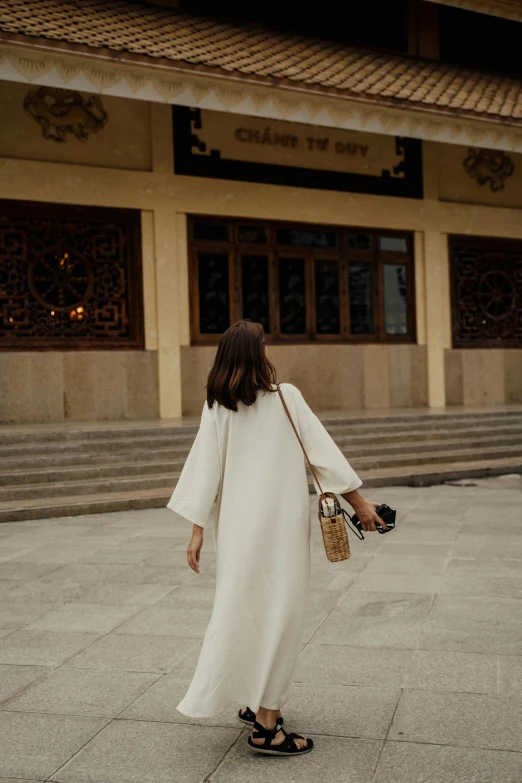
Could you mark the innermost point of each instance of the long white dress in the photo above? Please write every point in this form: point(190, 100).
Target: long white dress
point(251, 460)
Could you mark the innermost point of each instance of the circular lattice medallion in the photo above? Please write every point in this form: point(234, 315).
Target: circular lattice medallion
point(496, 294)
point(60, 279)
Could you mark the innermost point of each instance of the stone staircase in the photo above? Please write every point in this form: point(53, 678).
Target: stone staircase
point(63, 472)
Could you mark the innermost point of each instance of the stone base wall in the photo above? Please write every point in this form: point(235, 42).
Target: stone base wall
point(487, 376)
point(331, 377)
point(55, 386)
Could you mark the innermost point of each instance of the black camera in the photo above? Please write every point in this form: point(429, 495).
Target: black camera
point(386, 513)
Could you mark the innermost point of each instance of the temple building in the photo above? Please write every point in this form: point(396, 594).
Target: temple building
point(353, 182)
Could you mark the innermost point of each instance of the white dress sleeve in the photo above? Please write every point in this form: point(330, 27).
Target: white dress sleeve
point(333, 469)
point(198, 484)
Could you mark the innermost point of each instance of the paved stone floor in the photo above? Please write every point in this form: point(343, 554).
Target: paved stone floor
point(411, 667)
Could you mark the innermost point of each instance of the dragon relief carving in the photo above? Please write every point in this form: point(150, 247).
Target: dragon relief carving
point(60, 112)
point(489, 167)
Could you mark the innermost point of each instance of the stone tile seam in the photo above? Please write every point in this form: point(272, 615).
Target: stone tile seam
point(61, 766)
point(25, 687)
point(451, 745)
point(208, 778)
point(336, 604)
point(383, 745)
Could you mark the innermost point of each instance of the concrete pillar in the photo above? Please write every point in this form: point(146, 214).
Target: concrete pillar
point(437, 313)
point(170, 283)
point(167, 297)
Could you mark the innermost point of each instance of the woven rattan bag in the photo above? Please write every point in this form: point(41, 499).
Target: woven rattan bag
point(334, 528)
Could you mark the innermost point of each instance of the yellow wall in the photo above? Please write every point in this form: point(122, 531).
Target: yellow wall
point(165, 199)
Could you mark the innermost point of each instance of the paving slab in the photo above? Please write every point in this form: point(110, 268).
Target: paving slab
point(19, 780)
point(344, 665)
point(319, 605)
point(130, 652)
point(16, 615)
point(403, 563)
point(116, 554)
point(452, 671)
point(189, 595)
point(370, 619)
point(35, 746)
point(503, 566)
point(14, 679)
point(117, 594)
point(335, 759)
point(38, 591)
point(83, 617)
point(94, 573)
point(42, 648)
point(54, 555)
point(73, 691)
point(167, 621)
point(342, 711)
point(471, 720)
point(158, 574)
point(428, 584)
point(510, 674)
point(423, 549)
point(18, 570)
point(483, 584)
point(8, 586)
point(335, 581)
point(133, 752)
point(405, 762)
point(474, 624)
point(159, 703)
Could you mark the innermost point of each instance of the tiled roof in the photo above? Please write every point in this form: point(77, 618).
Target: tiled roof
point(255, 52)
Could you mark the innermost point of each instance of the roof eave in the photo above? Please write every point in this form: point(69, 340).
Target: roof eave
point(405, 111)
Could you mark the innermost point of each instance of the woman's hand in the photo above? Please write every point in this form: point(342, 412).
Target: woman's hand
point(194, 548)
point(365, 510)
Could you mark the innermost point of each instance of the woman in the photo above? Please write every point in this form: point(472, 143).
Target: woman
point(247, 455)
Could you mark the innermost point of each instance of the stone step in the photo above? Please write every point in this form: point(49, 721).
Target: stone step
point(19, 438)
point(94, 447)
point(139, 463)
point(109, 433)
point(63, 484)
point(87, 473)
point(45, 507)
point(19, 456)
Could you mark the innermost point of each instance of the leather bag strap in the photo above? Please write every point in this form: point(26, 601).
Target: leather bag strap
point(314, 474)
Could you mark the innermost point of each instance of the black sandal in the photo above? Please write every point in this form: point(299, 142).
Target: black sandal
point(287, 746)
point(249, 716)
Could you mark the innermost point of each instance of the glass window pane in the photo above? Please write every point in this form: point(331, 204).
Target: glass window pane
point(327, 313)
point(254, 288)
point(360, 291)
point(214, 316)
point(360, 241)
point(292, 295)
point(256, 235)
point(211, 232)
point(393, 244)
point(304, 238)
point(395, 299)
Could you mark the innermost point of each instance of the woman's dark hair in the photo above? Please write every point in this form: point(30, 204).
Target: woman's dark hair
point(241, 368)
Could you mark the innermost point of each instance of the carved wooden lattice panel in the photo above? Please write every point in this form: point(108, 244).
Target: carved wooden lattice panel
point(486, 292)
point(70, 277)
